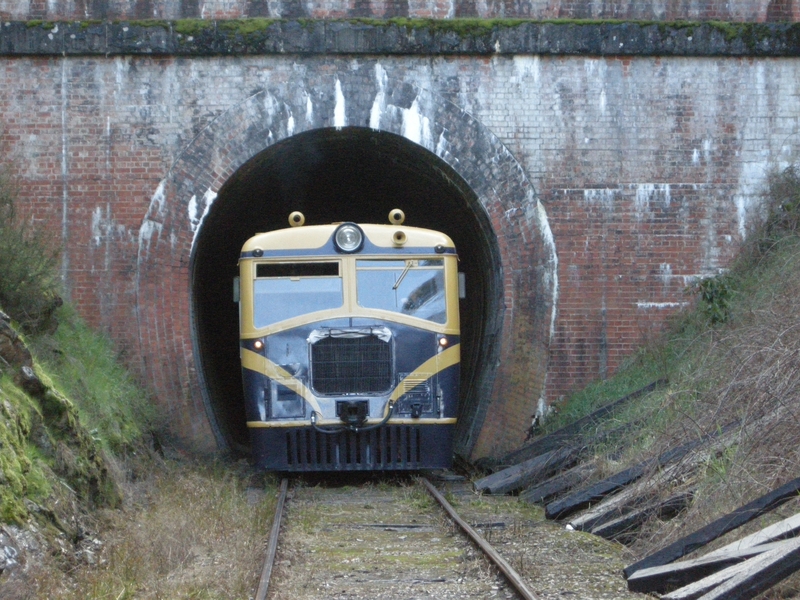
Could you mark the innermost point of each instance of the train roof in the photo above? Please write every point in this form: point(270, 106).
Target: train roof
point(311, 237)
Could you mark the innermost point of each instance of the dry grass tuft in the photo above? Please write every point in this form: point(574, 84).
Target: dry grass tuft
point(188, 531)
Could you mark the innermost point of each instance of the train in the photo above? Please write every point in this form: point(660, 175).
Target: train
point(350, 346)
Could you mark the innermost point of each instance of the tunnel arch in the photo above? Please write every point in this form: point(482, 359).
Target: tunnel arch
point(258, 161)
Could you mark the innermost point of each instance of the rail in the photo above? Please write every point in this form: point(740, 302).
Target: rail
point(506, 569)
point(272, 546)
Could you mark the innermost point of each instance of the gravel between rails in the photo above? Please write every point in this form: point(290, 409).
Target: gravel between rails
point(388, 539)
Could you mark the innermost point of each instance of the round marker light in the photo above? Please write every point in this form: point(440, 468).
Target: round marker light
point(348, 238)
point(443, 341)
point(258, 344)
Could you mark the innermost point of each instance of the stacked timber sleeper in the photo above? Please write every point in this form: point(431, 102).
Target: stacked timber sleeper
point(552, 470)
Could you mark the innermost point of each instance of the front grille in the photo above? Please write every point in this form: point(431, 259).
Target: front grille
point(390, 447)
point(358, 365)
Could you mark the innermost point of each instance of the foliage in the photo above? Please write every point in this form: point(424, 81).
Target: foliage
point(780, 222)
point(715, 296)
point(29, 282)
point(783, 202)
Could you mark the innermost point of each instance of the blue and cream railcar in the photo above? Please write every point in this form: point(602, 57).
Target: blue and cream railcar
point(350, 346)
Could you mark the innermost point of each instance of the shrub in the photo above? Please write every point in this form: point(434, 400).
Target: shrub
point(783, 202)
point(29, 283)
point(715, 294)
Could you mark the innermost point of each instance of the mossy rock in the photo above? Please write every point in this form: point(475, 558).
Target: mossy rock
point(41, 434)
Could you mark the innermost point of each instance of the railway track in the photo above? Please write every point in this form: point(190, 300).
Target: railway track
point(404, 539)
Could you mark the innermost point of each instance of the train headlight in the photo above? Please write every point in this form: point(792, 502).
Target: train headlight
point(348, 238)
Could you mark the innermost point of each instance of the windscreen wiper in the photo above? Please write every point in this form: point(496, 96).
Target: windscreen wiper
point(409, 264)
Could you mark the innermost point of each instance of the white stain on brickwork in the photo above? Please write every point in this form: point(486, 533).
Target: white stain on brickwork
point(120, 73)
point(550, 244)
point(108, 144)
point(649, 195)
point(748, 200)
point(412, 125)
point(526, 67)
point(605, 197)
point(660, 305)
point(536, 212)
point(379, 104)
point(271, 108)
point(309, 109)
point(665, 274)
point(153, 221)
point(105, 231)
point(198, 209)
point(275, 9)
point(443, 147)
point(417, 127)
point(289, 122)
point(339, 114)
point(97, 226)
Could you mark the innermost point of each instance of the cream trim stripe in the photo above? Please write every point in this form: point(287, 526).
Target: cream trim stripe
point(433, 365)
point(260, 364)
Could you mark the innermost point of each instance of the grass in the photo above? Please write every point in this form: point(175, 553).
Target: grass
point(734, 358)
point(83, 366)
point(188, 531)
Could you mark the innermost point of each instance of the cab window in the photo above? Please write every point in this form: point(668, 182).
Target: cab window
point(285, 290)
point(412, 287)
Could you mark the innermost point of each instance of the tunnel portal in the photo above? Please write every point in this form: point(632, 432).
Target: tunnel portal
point(335, 174)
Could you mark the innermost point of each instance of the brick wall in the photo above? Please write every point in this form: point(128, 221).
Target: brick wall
point(641, 173)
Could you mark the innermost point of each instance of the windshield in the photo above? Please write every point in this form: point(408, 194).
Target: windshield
point(285, 290)
point(410, 287)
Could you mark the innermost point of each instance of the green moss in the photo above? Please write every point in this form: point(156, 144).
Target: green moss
point(43, 24)
point(729, 30)
point(193, 27)
point(66, 435)
point(685, 27)
point(90, 23)
point(246, 27)
point(39, 487)
point(150, 23)
point(20, 476)
point(307, 23)
point(750, 33)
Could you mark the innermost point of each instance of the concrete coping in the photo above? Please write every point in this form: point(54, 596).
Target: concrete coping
point(482, 37)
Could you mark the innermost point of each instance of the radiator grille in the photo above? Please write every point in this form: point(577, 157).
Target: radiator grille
point(361, 365)
point(391, 447)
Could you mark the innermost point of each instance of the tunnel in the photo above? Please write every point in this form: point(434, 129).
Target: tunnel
point(336, 174)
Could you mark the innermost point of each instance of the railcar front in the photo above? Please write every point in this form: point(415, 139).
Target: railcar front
point(350, 346)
